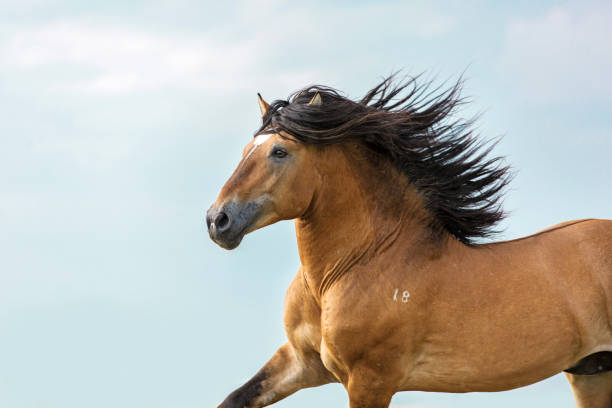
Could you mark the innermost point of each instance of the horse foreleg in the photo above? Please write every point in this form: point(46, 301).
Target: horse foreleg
point(285, 373)
point(592, 391)
point(369, 399)
point(369, 388)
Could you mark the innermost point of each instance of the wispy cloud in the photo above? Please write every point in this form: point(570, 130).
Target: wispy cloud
point(105, 58)
point(118, 59)
point(564, 53)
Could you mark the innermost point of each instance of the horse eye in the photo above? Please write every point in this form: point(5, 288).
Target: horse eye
point(279, 153)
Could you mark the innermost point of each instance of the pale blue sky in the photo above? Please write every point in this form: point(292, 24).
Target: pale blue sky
point(120, 122)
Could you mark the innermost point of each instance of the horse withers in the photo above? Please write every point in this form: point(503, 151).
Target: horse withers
point(389, 195)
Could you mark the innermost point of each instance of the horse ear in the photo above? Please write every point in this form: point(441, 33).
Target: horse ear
point(316, 100)
point(263, 105)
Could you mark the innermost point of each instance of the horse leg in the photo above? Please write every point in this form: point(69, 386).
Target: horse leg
point(284, 374)
point(592, 391)
point(369, 389)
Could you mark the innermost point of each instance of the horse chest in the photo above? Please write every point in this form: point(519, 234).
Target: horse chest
point(353, 338)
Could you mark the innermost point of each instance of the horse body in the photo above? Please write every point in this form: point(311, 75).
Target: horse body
point(385, 301)
point(451, 333)
point(454, 333)
point(537, 287)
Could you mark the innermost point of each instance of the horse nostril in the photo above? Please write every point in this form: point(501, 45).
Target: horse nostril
point(222, 221)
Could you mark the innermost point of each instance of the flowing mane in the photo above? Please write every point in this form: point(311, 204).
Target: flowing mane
point(414, 126)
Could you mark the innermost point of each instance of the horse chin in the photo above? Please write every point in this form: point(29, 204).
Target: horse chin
point(229, 244)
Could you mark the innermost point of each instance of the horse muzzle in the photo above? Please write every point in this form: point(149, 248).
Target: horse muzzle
point(227, 224)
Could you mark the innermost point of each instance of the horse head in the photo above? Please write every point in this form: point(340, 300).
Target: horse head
point(275, 180)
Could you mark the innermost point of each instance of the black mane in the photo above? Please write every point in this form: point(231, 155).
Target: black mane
point(414, 126)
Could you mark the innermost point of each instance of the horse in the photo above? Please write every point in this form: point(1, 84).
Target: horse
point(395, 199)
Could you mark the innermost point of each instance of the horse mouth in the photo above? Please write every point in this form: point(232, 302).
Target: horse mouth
point(228, 243)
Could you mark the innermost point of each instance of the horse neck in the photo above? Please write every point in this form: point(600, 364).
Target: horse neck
point(360, 211)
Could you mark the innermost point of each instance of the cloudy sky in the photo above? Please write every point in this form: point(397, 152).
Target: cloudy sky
point(121, 120)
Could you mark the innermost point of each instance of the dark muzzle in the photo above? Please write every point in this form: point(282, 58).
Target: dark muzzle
point(227, 224)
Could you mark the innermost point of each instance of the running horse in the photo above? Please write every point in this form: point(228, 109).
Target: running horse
point(393, 198)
